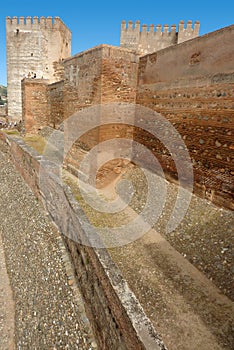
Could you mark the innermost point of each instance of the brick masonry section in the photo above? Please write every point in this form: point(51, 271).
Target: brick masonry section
point(193, 88)
point(35, 104)
point(191, 84)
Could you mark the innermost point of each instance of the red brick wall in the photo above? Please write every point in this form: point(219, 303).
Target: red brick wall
point(82, 87)
point(204, 118)
point(36, 111)
point(103, 74)
point(119, 75)
point(191, 84)
point(195, 92)
point(56, 103)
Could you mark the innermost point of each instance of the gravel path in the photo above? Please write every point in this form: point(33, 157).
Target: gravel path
point(184, 279)
point(204, 237)
point(49, 313)
point(6, 305)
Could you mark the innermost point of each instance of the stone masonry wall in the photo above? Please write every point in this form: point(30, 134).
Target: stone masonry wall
point(119, 75)
point(100, 75)
point(82, 86)
point(191, 84)
point(119, 80)
point(36, 108)
point(56, 104)
point(194, 89)
point(34, 45)
point(207, 55)
point(154, 38)
point(118, 319)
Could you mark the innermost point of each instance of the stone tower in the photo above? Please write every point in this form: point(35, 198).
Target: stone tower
point(154, 38)
point(35, 46)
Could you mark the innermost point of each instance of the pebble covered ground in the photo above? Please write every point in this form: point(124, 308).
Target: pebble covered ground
point(175, 275)
point(49, 311)
point(205, 236)
point(7, 307)
point(183, 279)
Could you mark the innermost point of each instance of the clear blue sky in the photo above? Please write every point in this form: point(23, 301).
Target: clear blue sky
point(98, 22)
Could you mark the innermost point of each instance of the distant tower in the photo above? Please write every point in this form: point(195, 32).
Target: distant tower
point(147, 39)
point(34, 46)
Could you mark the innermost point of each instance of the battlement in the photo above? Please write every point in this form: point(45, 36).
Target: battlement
point(189, 32)
point(149, 38)
point(30, 23)
point(35, 46)
point(156, 29)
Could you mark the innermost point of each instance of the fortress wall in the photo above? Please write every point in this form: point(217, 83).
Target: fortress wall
point(43, 104)
point(119, 75)
point(146, 39)
point(119, 81)
point(33, 46)
point(204, 119)
point(206, 55)
point(56, 104)
point(103, 74)
point(115, 314)
point(82, 86)
point(191, 31)
point(36, 108)
point(187, 83)
point(194, 89)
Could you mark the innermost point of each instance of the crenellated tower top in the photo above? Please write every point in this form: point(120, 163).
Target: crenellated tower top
point(35, 48)
point(137, 28)
point(189, 32)
point(146, 39)
point(30, 23)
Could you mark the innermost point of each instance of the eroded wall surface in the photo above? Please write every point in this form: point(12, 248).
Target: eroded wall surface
point(36, 107)
point(192, 85)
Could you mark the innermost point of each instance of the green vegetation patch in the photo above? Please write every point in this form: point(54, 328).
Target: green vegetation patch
point(97, 219)
point(11, 132)
point(37, 142)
